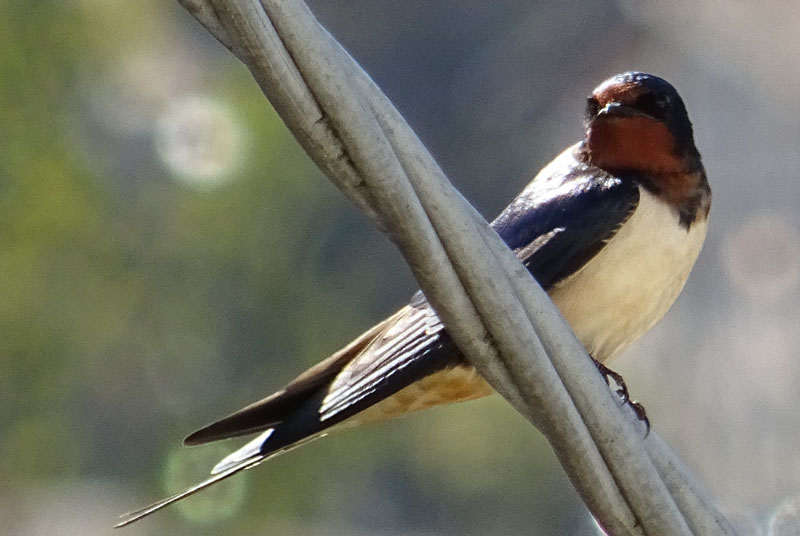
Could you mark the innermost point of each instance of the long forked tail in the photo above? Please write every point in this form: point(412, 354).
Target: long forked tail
point(130, 517)
point(265, 414)
point(396, 353)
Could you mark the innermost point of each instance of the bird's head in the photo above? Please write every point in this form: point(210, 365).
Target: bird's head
point(638, 122)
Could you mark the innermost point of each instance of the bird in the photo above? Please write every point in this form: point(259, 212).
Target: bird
point(611, 229)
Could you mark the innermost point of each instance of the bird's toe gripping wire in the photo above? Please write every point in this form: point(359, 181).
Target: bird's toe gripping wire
point(622, 392)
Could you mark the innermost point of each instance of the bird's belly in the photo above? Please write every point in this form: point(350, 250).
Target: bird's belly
point(453, 384)
point(631, 283)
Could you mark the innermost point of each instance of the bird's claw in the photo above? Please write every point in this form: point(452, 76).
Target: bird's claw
point(622, 392)
point(641, 414)
point(607, 373)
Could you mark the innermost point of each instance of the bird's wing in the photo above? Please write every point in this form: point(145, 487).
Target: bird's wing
point(382, 361)
point(273, 409)
point(571, 223)
point(554, 229)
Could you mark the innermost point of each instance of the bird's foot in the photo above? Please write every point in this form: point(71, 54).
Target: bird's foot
point(622, 392)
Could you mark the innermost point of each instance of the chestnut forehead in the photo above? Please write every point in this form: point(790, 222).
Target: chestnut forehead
point(622, 92)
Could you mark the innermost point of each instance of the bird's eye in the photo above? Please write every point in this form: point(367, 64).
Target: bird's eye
point(663, 101)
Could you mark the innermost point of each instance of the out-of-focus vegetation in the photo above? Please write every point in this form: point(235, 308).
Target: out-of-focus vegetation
point(168, 254)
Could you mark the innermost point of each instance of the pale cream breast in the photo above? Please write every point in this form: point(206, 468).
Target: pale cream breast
point(631, 283)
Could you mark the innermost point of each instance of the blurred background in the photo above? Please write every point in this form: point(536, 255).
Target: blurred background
point(168, 254)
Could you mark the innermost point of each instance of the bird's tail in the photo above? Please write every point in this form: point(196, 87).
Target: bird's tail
point(349, 381)
point(253, 453)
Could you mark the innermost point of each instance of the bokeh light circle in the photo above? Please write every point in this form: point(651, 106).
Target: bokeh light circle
point(762, 257)
point(221, 501)
point(200, 141)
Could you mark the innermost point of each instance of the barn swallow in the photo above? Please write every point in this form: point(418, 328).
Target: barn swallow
point(610, 229)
